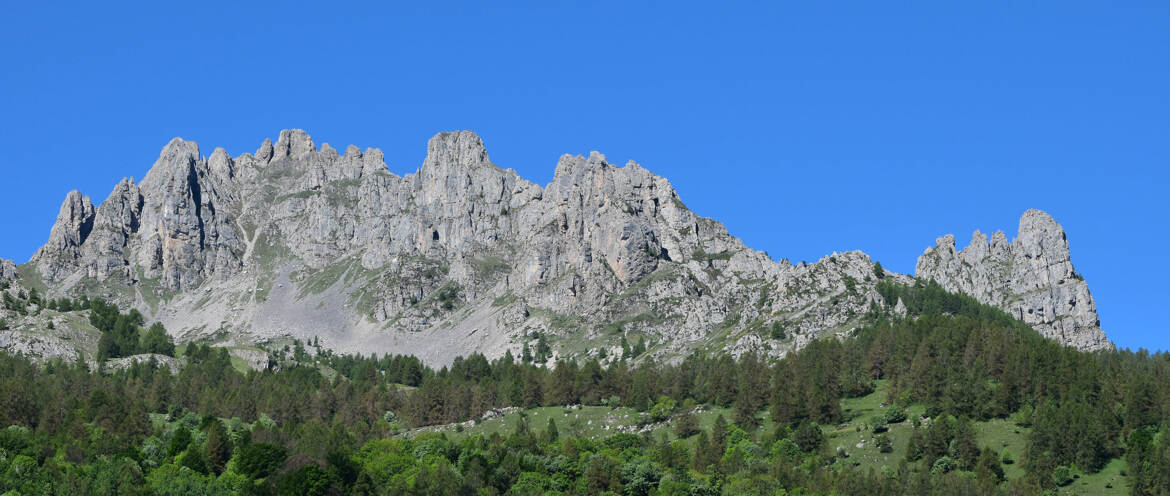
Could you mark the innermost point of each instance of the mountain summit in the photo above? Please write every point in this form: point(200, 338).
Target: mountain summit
point(463, 256)
point(1032, 278)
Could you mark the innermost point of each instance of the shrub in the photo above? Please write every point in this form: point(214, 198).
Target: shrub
point(942, 466)
point(808, 436)
point(894, 415)
point(258, 460)
point(777, 331)
point(1006, 457)
point(1062, 476)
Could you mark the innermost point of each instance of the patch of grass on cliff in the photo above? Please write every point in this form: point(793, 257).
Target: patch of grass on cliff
point(702, 256)
point(337, 193)
point(555, 320)
point(662, 273)
point(320, 280)
point(308, 193)
point(30, 278)
point(489, 266)
point(268, 252)
point(622, 324)
point(504, 300)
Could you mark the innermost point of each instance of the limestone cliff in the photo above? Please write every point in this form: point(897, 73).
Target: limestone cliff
point(461, 256)
point(1032, 278)
point(296, 241)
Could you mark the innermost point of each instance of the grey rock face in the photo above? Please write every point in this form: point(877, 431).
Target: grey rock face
point(36, 346)
point(7, 270)
point(461, 256)
point(62, 253)
point(162, 361)
point(1032, 278)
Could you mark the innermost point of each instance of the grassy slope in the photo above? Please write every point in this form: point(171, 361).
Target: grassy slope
point(996, 434)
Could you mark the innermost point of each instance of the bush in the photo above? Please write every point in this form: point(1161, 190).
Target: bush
point(808, 436)
point(894, 415)
point(309, 480)
point(1062, 476)
point(942, 466)
point(158, 341)
point(1006, 457)
point(662, 410)
point(179, 441)
point(777, 331)
point(884, 444)
point(686, 425)
point(260, 459)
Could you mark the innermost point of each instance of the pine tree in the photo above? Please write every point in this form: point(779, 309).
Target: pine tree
point(158, 341)
point(550, 433)
point(639, 348)
point(218, 447)
point(719, 434)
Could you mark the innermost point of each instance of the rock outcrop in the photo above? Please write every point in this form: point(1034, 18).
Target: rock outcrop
point(302, 241)
point(7, 270)
point(1032, 278)
point(461, 256)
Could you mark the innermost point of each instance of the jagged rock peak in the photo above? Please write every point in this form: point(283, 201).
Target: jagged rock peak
point(459, 150)
point(221, 164)
point(176, 159)
point(293, 143)
point(264, 153)
point(73, 226)
point(7, 270)
point(1031, 278)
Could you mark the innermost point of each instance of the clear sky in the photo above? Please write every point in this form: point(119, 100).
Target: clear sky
point(806, 127)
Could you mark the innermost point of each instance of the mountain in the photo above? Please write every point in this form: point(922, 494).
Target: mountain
point(1032, 278)
point(299, 242)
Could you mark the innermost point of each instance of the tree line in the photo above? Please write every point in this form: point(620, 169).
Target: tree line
point(298, 429)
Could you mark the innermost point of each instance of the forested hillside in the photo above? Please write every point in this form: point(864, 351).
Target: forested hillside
point(928, 391)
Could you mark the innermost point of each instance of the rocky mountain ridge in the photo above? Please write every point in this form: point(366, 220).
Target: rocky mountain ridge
point(299, 242)
point(1032, 278)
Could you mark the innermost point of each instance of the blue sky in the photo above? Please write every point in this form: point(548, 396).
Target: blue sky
point(806, 127)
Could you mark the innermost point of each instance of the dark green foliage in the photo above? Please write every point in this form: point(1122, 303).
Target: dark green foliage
point(988, 466)
point(1149, 460)
point(179, 441)
point(309, 480)
point(218, 447)
point(34, 297)
point(809, 437)
point(686, 424)
point(194, 459)
point(542, 350)
point(638, 349)
point(158, 341)
point(776, 331)
point(550, 432)
point(120, 332)
point(1062, 476)
point(878, 271)
point(15, 304)
point(448, 296)
point(258, 460)
point(961, 361)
